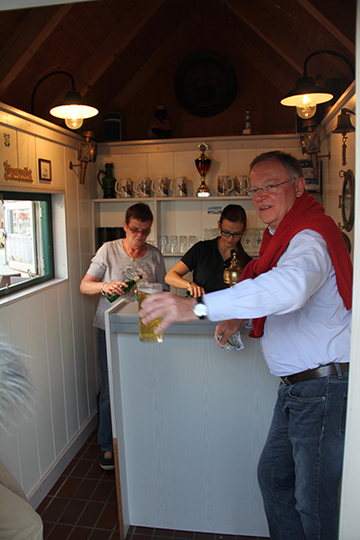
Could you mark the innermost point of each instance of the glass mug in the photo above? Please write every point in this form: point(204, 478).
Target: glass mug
point(123, 187)
point(183, 244)
point(142, 187)
point(174, 246)
point(178, 187)
point(241, 185)
point(164, 243)
point(225, 185)
point(146, 331)
point(160, 187)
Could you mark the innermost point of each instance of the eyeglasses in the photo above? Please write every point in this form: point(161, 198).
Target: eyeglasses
point(134, 230)
point(271, 188)
point(227, 234)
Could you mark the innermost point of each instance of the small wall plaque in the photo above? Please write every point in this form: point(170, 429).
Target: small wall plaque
point(15, 173)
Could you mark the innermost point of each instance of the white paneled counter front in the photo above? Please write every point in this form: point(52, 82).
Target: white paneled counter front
point(189, 423)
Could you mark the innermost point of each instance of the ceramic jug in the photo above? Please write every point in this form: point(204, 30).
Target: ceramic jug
point(123, 187)
point(142, 187)
point(241, 185)
point(178, 186)
point(108, 181)
point(225, 185)
point(160, 187)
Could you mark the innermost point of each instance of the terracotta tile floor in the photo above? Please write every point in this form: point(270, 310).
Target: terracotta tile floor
point(82, 505)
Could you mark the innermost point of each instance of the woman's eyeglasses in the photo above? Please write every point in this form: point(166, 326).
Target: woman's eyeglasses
point(134, 230)
point(227, 234)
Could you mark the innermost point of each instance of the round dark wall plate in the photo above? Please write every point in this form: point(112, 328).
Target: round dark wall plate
point(205, 84)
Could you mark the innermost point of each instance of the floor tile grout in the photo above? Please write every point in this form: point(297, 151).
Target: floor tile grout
point(85, 463)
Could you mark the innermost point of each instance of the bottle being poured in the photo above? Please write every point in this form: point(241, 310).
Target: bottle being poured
point(234, 270)
point(129, 286)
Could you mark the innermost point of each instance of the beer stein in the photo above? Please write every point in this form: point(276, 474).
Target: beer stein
point(178, 187)
point(123, 187)
point(225, 185)
point(160, 187)
point(241, 185)
point(142, 187)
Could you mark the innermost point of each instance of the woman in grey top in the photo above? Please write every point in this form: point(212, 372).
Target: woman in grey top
point(113, 265)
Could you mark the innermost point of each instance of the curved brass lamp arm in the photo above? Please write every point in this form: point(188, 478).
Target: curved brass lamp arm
point(46, 77)
point(346, 60)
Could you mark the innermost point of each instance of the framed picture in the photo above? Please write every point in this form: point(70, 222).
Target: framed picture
point(45, 169)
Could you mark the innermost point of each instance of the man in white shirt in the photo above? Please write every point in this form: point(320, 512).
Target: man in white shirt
point(297, 298)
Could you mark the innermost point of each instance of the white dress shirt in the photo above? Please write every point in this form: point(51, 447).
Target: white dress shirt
point(307, 324)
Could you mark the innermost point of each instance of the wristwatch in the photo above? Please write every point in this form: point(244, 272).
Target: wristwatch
point(200, 308)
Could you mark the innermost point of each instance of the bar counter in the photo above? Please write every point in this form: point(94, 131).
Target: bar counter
point(189, 422)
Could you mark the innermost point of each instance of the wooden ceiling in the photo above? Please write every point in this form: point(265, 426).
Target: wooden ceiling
point(124, 54)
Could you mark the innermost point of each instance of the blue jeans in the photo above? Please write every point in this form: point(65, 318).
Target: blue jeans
point(300, 468)
point(105, 431)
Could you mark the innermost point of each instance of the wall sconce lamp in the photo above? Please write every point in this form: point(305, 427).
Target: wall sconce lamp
point(344, 126)
point(307, 95)
point(72, 109)
point(87, 152)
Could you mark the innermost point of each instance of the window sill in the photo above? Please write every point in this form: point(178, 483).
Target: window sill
point(21, 295)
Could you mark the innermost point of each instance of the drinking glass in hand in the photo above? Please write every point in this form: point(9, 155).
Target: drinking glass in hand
point(146, 331)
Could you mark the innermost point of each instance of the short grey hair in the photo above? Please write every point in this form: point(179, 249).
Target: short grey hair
point(289, 162)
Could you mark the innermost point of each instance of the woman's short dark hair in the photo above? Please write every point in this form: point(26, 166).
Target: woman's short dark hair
point(233, 213)
point(289, 162)
point(140, 211)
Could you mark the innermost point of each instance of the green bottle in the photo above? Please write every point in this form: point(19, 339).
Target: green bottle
point(129, 286)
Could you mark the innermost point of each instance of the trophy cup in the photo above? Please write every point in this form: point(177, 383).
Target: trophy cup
point(203, 164)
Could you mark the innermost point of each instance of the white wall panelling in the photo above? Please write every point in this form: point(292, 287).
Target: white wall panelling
point(52, 322)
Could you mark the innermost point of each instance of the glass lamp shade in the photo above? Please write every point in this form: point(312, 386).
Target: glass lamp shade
point(73, 110)
point(306, 96)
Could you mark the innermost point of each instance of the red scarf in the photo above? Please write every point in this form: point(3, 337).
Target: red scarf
point(306, 213)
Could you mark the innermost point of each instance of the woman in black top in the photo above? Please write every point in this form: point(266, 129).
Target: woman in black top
point(209, 259)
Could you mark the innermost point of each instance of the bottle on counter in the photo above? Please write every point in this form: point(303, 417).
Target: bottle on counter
point(129, 286)
point(233, 272)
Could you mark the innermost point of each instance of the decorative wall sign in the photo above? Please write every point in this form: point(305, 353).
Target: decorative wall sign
point(45, 170)
point(15, 173)
point(205, 84)
point(313, 181)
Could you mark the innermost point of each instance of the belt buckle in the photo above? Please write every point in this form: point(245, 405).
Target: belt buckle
point(286, 381)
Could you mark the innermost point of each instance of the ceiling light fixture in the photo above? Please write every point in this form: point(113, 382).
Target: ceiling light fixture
point(307, 95)
point(73, 108)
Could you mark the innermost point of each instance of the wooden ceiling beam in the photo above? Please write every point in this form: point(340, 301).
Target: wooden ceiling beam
point(115, 43)
point(188, 24)
point(26, 40)
point(247, 43)
point(233, 5)
point(330, 27)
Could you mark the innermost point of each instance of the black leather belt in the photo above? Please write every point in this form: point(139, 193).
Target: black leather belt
point(317, 373)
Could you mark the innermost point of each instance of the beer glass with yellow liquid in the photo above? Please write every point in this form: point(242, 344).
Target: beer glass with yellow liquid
point(146, 331)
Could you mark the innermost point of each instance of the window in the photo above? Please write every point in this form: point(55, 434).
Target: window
point(26, 245)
